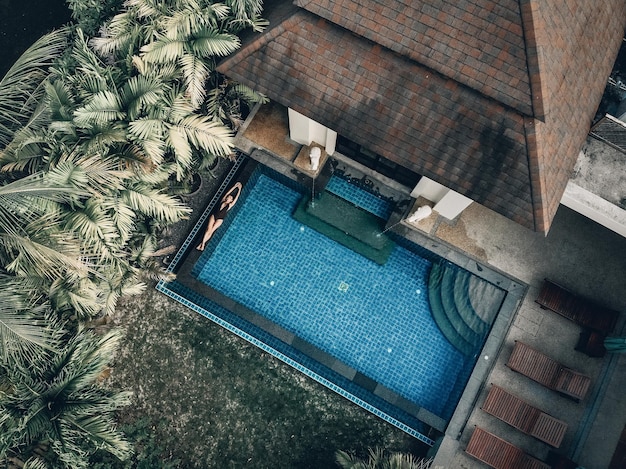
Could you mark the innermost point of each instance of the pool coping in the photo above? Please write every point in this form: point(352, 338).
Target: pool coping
point(515, 291)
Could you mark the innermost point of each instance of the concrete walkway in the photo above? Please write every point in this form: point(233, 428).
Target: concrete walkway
point(587, 259)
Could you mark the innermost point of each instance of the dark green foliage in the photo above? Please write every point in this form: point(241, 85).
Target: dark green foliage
point(89, 15)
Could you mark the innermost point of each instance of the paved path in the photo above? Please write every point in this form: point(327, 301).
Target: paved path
point(589, 260)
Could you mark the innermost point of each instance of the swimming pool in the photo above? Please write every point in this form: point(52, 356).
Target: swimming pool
point(363, 330)
point(375, 319)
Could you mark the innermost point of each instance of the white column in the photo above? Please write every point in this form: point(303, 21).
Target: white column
point(305, 131)
point(448, 203)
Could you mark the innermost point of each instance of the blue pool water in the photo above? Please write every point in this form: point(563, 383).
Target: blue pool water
point(375, 319)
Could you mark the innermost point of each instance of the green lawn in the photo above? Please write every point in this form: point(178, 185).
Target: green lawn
point(210, 399)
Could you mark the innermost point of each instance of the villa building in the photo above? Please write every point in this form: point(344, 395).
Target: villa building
point(462, 101)
point(381, 114)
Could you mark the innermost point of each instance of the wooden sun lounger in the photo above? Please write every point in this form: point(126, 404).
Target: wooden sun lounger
point(575, 308)
point(499, 453)
point(525, 417)
point(548, 372)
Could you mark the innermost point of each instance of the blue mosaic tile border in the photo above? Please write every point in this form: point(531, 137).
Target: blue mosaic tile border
point(300, 362)
point(303, 363)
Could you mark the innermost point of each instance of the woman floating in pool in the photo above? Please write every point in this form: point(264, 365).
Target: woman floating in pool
point(216, 219)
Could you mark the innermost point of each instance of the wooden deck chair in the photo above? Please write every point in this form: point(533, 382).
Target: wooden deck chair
point(583, 312)
point(525, 417)
point(548, 372)
point(499, 453)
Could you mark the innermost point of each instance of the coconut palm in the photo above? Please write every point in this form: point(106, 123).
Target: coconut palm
point(380, 459)
point(59, 404)
point(32, 242)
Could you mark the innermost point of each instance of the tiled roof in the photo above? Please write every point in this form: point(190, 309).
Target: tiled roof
point(577, 43)
point(405, 112)
point(426, 117)
point(479, 43)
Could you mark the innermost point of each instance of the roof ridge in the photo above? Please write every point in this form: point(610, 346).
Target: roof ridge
point(532, 60)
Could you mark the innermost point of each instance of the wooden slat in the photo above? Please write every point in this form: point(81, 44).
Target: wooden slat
point(492, 450)
point(535, 365)
point(548, 372)
point(572, 383)
point(510, 409)
point(523, 416)
point(549, 430)
point(499, 453)
point(575, 308)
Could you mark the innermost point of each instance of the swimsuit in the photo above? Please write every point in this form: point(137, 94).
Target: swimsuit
point(221, 213)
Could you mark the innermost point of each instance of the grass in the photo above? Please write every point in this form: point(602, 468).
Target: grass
point(211, 399)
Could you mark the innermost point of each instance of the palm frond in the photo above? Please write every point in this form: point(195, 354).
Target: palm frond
point(183, 23)
point(75, 297)
point(139, 92)
point(245, 8)
point(155, 204)
point(36, 463)
point(102, 432)
point(50, 260)
point(120, 36)
point(24, 153)
point(103, 107)
point(26, 328)
point(103, 140)
point(60, 100)
point(122, 215)
point(210, 42)
point(246, 93)
point(88, 64)
point(144, 8)
point(195, 73)
point(21, 87)
point(258, 25)
point(149, 134)
point(348, 461)
point(96, 230)
point(204, 134)
point(163, 50)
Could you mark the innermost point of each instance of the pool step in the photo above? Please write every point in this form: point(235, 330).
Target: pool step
point(450, 292)
point(346, 224)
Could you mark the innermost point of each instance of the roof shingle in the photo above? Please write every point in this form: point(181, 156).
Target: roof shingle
point(405, 112)
point(479, 43)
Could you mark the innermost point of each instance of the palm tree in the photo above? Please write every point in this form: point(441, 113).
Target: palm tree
point(379, 459)
point(95, 150)
point(59, 404)
point(184, 36)
point(32, 242)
